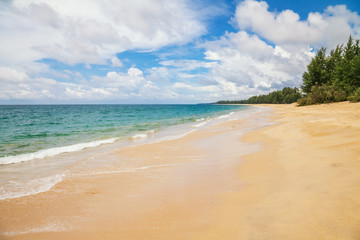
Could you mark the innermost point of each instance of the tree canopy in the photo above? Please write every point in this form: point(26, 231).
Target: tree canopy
point(329, 78)
point(286, 95)
point(335, 77)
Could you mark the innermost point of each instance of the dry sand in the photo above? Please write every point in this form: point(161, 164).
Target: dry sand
point(304, 183)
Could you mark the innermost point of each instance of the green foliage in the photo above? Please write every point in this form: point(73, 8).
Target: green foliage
point(317, 71)
point(286, 95)
point(333, 78)
point(355, 97)
point(323, 94)
point(333, 62)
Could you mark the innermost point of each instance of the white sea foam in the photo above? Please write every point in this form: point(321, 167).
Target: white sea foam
point(201, 124)
point(139, 136)
point(14, 189)
point(142, 135)
point(173, 137)
point(53, 151)
point(130, 169)
point(225, 116)
point(48, 227)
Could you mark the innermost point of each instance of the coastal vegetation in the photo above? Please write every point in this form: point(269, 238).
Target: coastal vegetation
point(286, 95)
point(329, 78)
point(333, 78)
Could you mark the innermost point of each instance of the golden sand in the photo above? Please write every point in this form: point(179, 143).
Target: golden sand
point(304, 183)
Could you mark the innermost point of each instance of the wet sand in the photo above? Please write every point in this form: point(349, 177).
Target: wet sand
point(297, 179)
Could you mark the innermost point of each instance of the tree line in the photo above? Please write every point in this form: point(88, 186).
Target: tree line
point(333, 78)
point(286, 95)
point(329, 78)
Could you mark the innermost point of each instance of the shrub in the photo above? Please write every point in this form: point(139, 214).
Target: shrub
point(335, 77)
point(323, 94)
point(355, 97)
point(305, 101)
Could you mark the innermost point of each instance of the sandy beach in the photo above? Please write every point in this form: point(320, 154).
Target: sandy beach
point(283, 173)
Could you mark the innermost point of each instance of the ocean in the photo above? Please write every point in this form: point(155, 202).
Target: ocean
point(39, 143)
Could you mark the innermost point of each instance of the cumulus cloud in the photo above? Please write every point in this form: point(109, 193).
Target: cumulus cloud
point(114, 86)
point(91, 31)
point(278, 49)
point(133, 80)
point(87, 32)
point(273, 56)
point(115, 62)
point(330, 28)
point(159, 74)
point(16, 84)
point(247, 65)
point(268, 51)
point(187, 64)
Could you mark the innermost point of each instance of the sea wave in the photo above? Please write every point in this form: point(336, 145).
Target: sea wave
point(47, 227)
point(13, 189)
point(139, 136)
point(225, 115)
point(173, 137)
point(142, 135)
point(53, 151)
point(128, 169)
point(201, 124)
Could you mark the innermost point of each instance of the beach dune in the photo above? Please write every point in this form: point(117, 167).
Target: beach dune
point(285, 173)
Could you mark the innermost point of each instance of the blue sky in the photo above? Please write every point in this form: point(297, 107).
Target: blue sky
point(164, 51)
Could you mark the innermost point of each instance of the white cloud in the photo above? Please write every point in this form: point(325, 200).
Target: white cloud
point(159, 74)
point(91, 31)
point(193, 88)
point(132, 84)
point(16, 84)
point(331, 27)
point(87, 32)
point(242, 72)
point(186, 64)
point(133, 80)
point(13, 75)
point(116, 86)
point(236, 65)
point(247, 65)
point(115, 62)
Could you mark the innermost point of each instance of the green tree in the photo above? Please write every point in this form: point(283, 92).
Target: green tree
point(332, 64)
point(286, 95)
point(345, 75)
point(316, 72)
point(353, 79)
point(337, 80)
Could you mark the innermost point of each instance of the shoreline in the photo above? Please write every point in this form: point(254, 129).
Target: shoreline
point(179, 172)
point(306, 182)
point(295, 179)
point(21, 172)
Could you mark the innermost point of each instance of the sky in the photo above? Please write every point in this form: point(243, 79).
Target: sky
point(162, 51)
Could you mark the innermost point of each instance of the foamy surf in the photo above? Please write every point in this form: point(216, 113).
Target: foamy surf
point(225, 115)
point(53, 151)
point(14, 189)
point(128, 170)
point(139, 136)
point(48, 227)
point(32, 177)
point(201, 124)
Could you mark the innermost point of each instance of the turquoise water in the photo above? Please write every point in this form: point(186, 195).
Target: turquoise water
point(28, 131)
